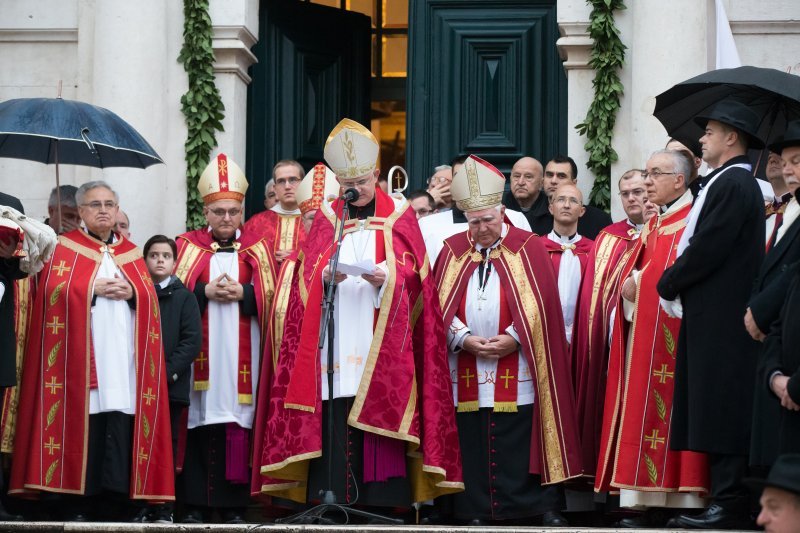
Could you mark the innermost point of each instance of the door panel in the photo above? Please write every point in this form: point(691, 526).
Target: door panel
point(313, 70)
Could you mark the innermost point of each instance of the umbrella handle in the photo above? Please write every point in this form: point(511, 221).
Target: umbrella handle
point(90, 144)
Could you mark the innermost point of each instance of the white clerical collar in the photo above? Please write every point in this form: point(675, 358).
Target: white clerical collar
point(236, 237)
point(563, 239)
point(685, 198)
point(163, 284)
point(281, 211)
point(634, 225)
point(503, 233)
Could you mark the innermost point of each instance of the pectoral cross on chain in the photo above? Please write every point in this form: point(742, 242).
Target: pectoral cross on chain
point(481, 298)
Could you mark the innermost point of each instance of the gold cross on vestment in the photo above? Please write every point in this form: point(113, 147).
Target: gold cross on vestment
point(149, 396)
point(506, 377)
point(55, 324)
point(51, 445)
point(244, 372)
point(153, 335)
point(142, 455)
point(202, 360)
point(654, 439)
point(53, 385)
point(61, 268)
point(467, 376)
point(662, 374)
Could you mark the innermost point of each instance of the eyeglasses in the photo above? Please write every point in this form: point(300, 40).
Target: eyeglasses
point(360, 184)
point(283, 182)
point(222, 212)
point(657, 173)
point(635, 193)
point(475, 222)
point(96, 205)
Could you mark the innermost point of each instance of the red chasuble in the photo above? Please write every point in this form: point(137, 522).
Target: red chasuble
point(599, 294)
point(634, 452)
point(53, 423)
point(531, 292)
point(405, 392)
point(282, 232)
point(256, 265)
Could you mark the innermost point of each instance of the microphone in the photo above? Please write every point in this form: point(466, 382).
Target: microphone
point(350, 195)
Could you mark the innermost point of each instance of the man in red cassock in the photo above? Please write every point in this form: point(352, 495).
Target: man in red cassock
point(597, 303)
point(280, 225)
point(231, 272)
point(396, 439)
point(635, 457)
point(93, 410)
point(508, 360)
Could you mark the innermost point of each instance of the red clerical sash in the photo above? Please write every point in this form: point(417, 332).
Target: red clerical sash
point(635, 450)
point(531, 292)
point(50, 443)
point(505, 393)
point(405, 392)
point(282, 232)
point(599, 294)
point(256, 266)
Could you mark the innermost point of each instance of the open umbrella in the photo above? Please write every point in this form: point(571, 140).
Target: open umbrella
point(54, 130)
point(773, 94)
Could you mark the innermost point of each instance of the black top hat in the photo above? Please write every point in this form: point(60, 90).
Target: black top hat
point(791, 137)
point(784, 475)
point(737, 115)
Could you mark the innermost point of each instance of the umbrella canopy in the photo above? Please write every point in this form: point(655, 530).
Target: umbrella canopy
point(54, 130)
point(773, 94)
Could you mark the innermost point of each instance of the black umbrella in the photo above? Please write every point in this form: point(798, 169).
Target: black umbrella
point(54, 130)
point(773, 94)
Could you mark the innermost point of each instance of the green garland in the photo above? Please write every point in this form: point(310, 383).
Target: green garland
point(201, 105)
point(608, 55)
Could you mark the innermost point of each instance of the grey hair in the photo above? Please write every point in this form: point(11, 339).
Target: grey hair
point(442, 167)
point(630, 174)
point(680, 163)
point(270, 183)
point(67, 194)
point(88, 186)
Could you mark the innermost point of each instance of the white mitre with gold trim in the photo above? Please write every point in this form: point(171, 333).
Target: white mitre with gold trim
point(351, 150)
point(222, 180)
point(477, 185)
point(317, 186)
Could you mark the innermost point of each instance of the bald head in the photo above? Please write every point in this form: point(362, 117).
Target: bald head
point(566, 206)
point(527, 177)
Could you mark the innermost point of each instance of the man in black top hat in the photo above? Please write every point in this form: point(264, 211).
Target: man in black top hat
point(711, 279)
point(780, 500)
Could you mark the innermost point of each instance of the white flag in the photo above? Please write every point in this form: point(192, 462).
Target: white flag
point(727, 55)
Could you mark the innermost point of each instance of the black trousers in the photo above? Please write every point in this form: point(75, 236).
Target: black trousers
point(727, 472)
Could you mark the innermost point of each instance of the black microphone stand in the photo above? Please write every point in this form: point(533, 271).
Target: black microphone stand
point(326, 328)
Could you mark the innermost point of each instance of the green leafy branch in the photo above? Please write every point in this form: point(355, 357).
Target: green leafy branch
point(201, 104)
point(607, 56)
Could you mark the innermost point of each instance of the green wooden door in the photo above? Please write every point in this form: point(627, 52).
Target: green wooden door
point(313, 70)
point(484, 78)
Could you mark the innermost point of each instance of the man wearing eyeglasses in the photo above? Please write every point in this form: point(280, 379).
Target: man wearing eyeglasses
point(635, 458)
point(281, 225)
point(391, 392)
point(94, 394)
point(231, 272)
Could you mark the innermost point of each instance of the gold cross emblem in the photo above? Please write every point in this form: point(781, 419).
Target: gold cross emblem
point(53, 385)
point(142, 456)
point(467, 376)
point(202, 360)
point(61, 268)
point(149, 396)
point(662, 374)
point(244, 372)
point(654, 440)
point(55, 325)
point(506, 377)
point(153, 335)
point(51, 446)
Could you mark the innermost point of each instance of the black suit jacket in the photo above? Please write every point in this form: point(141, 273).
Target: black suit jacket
point(716, 357)
point(9, 271)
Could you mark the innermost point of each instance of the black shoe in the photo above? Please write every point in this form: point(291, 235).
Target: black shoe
point(77, 517)
point(554, 519)
point(648, 519)
point(477, 522)
point(193, 516)
point(143, 516)
point(5, 516)
point(233, 517)
point(162, 515)
point(714, 517)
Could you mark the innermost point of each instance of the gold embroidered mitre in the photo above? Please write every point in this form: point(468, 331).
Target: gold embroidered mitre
point(351, 150)
point(318, 185)
point(477, 185)
point(222, 180)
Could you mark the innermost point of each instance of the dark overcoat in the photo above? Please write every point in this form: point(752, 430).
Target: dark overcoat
point(9, 271)
point(716, 357)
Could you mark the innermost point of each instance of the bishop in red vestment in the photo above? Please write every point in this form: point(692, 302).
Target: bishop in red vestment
point(396, 435)
point(597, 303)
point(635, 456)
point(508, 359)
point(94, 370)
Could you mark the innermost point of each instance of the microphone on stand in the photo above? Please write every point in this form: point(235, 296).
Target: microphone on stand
point(350, 195)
